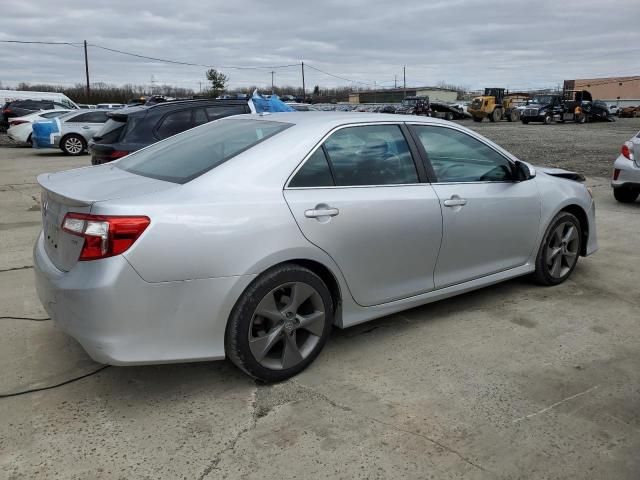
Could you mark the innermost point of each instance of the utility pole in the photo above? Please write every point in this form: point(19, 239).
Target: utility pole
point(200, 86)
point(395, 81)
point(86, 71)
point(375, 92)
point(404, 79)
point(272, 73)
point(304, 95)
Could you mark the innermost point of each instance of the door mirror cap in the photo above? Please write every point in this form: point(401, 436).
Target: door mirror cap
point(523, 171)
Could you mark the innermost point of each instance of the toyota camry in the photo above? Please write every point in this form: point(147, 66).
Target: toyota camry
point(250, 237)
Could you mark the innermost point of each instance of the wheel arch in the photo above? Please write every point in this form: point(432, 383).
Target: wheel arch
point(582, 217)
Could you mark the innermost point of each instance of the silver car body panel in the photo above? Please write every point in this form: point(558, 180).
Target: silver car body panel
point(629, 169)
point(168, 297)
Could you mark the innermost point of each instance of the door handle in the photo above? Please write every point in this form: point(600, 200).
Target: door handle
point(455, 201)
point(321, 212)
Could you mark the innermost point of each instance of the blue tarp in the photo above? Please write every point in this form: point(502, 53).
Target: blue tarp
point(42, 131)
point(272, 104)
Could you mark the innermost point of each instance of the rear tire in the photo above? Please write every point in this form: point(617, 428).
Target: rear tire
point(559, 251)
point(73, 144)
point(625, 195)
point(448, 116)
point(547, 119)
point(280, 323)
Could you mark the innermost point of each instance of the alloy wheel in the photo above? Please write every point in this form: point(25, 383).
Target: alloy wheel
point(562, 250)
point(286, 326)
point(73, 145)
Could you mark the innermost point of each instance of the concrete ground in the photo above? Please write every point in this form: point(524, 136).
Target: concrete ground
point(514, 381)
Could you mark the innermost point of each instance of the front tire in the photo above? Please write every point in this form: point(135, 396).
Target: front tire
point(73, 144)
point(547, 119)
point(559, 250)
point(625, 195)
point(280, 323)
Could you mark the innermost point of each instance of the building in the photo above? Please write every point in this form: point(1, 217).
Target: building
point(621, 91)
point(395, 95)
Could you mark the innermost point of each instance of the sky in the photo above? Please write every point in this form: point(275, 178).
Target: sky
point(517, 44)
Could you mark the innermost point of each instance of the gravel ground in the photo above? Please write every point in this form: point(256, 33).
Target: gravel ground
point(589, 149)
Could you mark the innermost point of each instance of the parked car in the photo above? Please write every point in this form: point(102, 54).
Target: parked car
point(133, 128)
point(301, 107)
point(614, 109)
point(414, 106)
point(629, 112)
point(626, 171)
point(86, 106)
point(70, 132)
point(446, 111)
point(8, 96)
point(20, 108)
point(20, 127)
point(109, 106)
point(250, 237)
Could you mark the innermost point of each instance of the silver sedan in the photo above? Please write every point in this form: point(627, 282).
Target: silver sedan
point(250, 237)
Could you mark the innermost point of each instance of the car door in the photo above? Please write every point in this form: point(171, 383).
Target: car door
point(490, 222)
point(361, 197)
point(87, 124)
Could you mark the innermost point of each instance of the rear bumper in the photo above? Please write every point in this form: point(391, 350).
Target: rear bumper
point(120, 319)
point(629, 176)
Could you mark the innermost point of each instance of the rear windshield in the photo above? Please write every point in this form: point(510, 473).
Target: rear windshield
point(188, 155)
point(110, 132)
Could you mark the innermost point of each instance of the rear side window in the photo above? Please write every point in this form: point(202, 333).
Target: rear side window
point(52, 114)
point(199, 116)
point(174, 123)
point(95, 117)
point(314, 173)
point(82, 118)
point(197, 151)
point(371, 155)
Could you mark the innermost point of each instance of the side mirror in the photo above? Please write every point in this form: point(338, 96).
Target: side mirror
point(523, 172)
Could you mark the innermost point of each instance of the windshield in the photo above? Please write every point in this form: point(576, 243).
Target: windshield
point(411, 102)
point(542, 99)
point(188, 155)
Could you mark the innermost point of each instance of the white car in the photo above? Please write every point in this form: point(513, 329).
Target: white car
point(109, 106)
point(614, 109)
point(626, 172)
point(20, 128)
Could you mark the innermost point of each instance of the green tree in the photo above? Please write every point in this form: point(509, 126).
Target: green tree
point(218, 81)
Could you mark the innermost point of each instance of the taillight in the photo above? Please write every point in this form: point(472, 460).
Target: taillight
point(118, 154)
point(104, 235)
point(17, 122)
point(627, 150)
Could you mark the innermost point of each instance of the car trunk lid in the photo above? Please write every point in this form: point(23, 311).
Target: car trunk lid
point(76, 191)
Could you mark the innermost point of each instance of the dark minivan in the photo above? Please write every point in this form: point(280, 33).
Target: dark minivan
point(133, 128)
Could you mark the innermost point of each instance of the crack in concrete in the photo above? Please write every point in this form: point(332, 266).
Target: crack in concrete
point(231, 444)
point(25, 318)
point(13, 269)
point(258, 411)
point(393, 427)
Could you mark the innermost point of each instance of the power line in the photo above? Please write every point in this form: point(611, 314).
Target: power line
point(177, 62)
point(76, 44)
point(338, 76)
